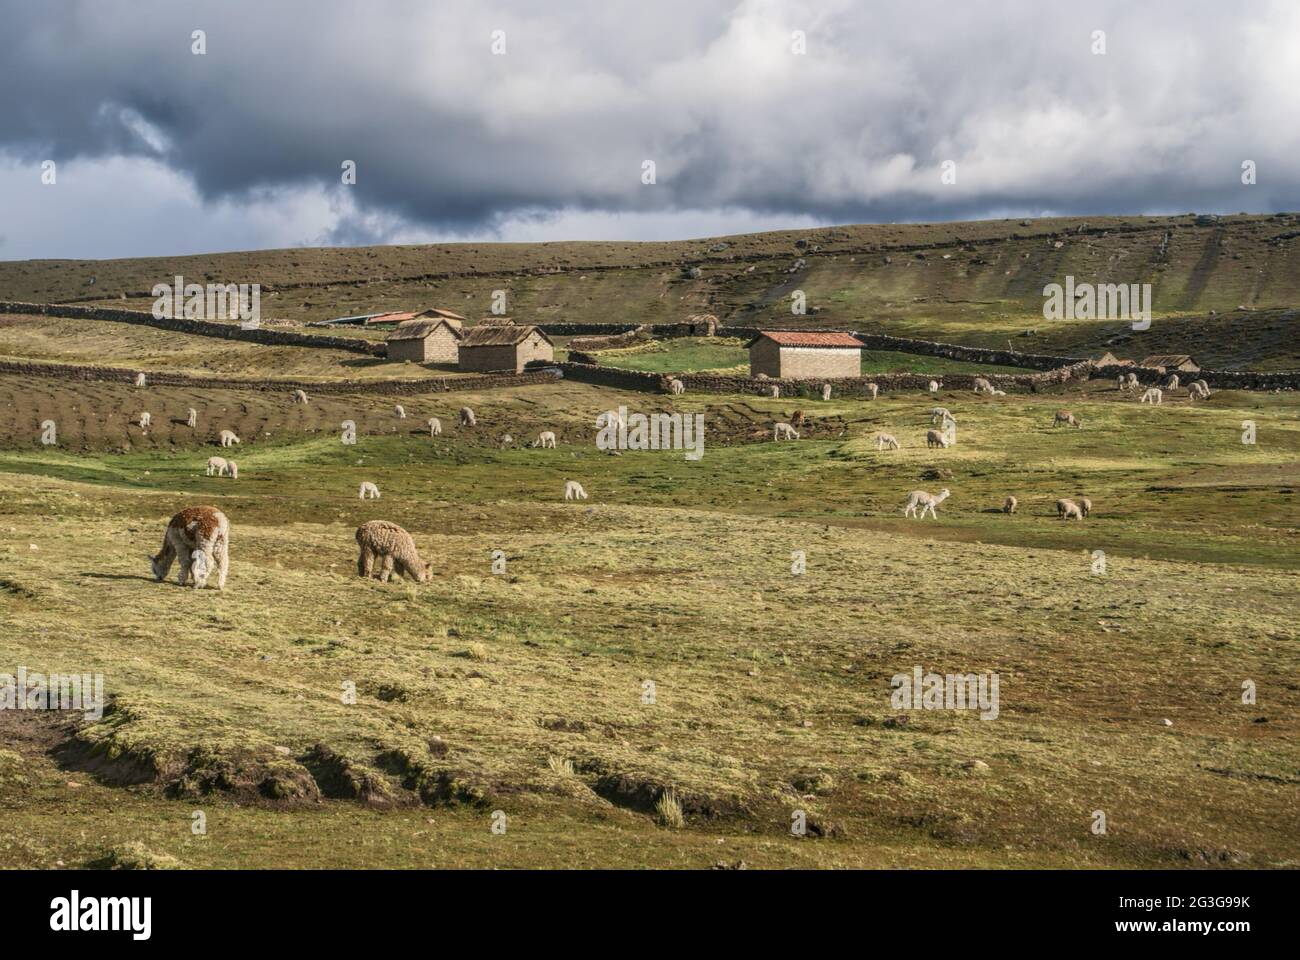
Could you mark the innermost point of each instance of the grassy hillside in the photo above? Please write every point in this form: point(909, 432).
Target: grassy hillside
point(978, 282)
point(523, 692)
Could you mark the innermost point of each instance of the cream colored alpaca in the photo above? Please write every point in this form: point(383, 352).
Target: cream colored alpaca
point(1172, 382)
point(1066, 417)
point(505, 441)
point(234, 469)
point(783, 431)
point(933, 438)
point(675, 386)
point(982, 385)
point(1121, 382)
point(545, 440)
point(435, 427)
point(192, 420)
point(199, 538)
point(1132, 380)
point(776, 392)
point(934, 386)
point(217, 465)
point(1009, 505)
point(300, 396)
point(1205, 387)
point(1197, 392)
point(573, 491)
point(1154, 395)
point(1085, 506)
point(886, 441)
point(146, 420)
point(872, 390)
point(139, 379)
point(941, 413)
point(228, 438)
point(393, 548)
point(998, 393)
point(467, 417)
point(926, 501)
point(1067, 510)
point(826, 391)
point(369, 488)
point(400, 411)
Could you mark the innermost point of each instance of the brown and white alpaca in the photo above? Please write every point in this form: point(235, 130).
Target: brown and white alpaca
point(369, 488)
point(573, 491)
point(1066, 417)
point(435, 427)
point(467, 417)
point(394, 549)
point(926, 501)
point(199, 539)
point(228, 438)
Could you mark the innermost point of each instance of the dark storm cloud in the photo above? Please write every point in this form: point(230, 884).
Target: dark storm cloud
point(449, 138)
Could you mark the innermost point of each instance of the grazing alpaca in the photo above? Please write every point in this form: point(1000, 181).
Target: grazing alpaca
point(193, 419)
point(435, 427)
point(1066, 417)
point(573, 491)
point(369, 488)
point(300, 396)
point(218, 465)
point(784, 431)
point(1204, 387)
point(675, 386)
point(1172, 382)
point(933, 438)
point(1085, 506)
point(1132, 379)
point(1121, 383)
point(1068, 509)
point(1009, 505)
point(198, 537)
point(1154, 395)
point(941, 413)
point(393, 547)
point(926, 501)
point(146, 419)
point(886, 441)
point(826, 391)
point(1197, 392)
point(467, 417)
point(228, 438)
point(234, 469)
point(505, 441)
point(776, 392)
point(545, 440)
point(139, 379)
point(873, 389)
point(400, 411)
point(934, 386)
point(982, 385)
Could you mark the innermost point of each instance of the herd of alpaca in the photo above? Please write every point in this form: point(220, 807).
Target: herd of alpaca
point(198, 538)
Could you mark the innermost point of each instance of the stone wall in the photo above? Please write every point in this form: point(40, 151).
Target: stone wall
point(64, 371)
point(1217, 379)
point(201, 328)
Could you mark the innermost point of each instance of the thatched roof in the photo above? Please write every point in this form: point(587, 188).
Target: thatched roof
point(497, 335)
point(419, 329)
point(809, 338)
point(1167, 360)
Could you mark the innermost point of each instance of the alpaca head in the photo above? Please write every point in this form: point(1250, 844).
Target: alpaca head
point(156, 568)
point(943, 494)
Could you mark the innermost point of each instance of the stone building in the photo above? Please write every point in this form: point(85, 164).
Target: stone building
point(1171, 362)
point(504, 347)
point(805, 355)
point(425, 341)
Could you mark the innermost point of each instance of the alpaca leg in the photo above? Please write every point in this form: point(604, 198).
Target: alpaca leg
point(365, 563)
point(223, 563)
point(183, 557)
point(386, 570)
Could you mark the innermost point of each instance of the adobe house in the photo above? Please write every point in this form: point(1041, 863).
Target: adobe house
point(426, 339)
point(805, 355)
point(1172, 361)
point(491, 348)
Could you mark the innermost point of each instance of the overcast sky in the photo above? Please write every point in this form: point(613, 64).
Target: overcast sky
point(159, 150)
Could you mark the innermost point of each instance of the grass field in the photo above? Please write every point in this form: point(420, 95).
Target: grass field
point(526, 691)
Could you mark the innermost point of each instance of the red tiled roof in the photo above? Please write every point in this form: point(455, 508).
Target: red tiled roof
point(811, 338)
